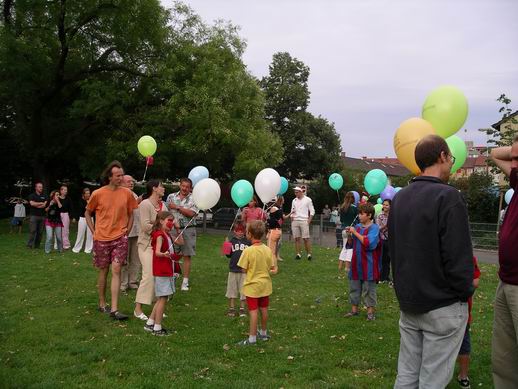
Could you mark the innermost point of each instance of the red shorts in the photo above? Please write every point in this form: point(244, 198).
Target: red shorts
point(107, 252)
point(257, 302)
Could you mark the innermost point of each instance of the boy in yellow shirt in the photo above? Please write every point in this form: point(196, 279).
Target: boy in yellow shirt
point(257, 262)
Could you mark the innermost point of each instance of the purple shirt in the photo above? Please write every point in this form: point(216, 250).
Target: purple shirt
point(508, 237)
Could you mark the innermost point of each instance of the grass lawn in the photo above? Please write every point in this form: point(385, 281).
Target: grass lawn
point(52, 335)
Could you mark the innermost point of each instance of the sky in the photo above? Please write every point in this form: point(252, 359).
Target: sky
point(373, 62)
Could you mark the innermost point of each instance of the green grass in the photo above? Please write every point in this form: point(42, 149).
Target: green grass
point(52, 336)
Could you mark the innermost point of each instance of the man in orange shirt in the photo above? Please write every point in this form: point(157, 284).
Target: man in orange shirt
point(113, 206)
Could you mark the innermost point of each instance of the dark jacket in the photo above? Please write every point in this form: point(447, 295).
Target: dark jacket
point(238, 245)
point(430, 246)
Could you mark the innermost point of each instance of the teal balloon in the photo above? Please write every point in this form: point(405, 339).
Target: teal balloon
point(336, 181)
point(284, 186)
point(242, 192)
point(459, 150)
point(377, 209)
point(379, 201)
point(375, 181)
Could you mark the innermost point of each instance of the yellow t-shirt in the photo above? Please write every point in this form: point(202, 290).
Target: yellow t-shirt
point(257, 260)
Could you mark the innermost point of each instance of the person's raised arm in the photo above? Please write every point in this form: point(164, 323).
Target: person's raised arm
point(501, 156)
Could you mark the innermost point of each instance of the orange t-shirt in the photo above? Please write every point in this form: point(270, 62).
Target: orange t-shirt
point(112, 211)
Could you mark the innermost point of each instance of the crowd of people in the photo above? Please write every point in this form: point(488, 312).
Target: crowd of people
point(420, 244)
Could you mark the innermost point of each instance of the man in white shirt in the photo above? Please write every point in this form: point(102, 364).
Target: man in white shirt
point(302, 211)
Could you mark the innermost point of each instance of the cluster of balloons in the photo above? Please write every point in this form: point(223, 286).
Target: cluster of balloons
point(206, 191)
point(268, 184)
point(443, 113)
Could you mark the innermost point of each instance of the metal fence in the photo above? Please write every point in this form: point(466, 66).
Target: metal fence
point(324, 233)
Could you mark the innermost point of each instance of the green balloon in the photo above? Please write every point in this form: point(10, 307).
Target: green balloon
point(242, 192)
point(146, 146)
point(336, 181)
point(459, 150)
point(446, 108)
point(375, 181)
point(377, 209)
point(379, 201)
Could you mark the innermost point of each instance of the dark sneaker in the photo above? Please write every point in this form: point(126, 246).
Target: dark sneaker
point(118, 316)
point(298, 256)
point(231, 312)
point(246, 342)
point(371, 316)
point(149, 327)
point(351, 314)
point(242, 312)
point(105, 309)
point(162, 332)
point(264, 338)
point(464, 383)
point(310, 257)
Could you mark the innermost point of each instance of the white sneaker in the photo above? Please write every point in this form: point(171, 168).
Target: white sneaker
point(185, 287)
point(142, 316)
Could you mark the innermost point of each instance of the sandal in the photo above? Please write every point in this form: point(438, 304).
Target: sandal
point(142, 316)
point(231, 312)
point(105, 309)
point(351, 314)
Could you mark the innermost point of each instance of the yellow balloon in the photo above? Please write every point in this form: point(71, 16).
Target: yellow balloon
point(407, 135)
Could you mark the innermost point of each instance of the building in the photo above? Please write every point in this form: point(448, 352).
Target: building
point(390, 166)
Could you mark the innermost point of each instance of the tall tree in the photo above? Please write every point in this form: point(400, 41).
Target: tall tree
point(311, 144)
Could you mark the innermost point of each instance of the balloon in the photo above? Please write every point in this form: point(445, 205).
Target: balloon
point(459, 150)
point(406, 137)
point(379, 201)
point(206, 194)
point(336, 181)
point(284, 186)
point(146, 146)
point(267, 184)
point(150, 161)
point(446, 108)
point(388, 193)
point(375, 181)
point(377, 209)
point(364, 199)
point(397, 189)
point(242, 192)
point(509, 195)
point(197, 174)
point(356, 197)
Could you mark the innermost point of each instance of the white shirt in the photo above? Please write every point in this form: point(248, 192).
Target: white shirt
point(19, 210)
point(302, 208)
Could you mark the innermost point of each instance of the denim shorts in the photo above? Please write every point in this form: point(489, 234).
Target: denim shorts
point(164, 286)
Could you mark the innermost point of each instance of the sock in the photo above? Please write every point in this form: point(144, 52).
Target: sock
point(252, 338)
point(185, 281)
point(157, 327)
point(262, 332)
point(150, 322)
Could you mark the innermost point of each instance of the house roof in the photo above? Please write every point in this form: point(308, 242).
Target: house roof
point(497, 125)
point(368, 164)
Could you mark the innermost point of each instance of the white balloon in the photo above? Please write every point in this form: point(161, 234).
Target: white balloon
point(267, 184)
point(206, 194)
point(509, 195)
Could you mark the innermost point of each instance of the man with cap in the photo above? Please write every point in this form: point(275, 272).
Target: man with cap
point(302, 211)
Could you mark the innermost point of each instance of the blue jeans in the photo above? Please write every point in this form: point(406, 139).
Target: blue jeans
point(49, 238)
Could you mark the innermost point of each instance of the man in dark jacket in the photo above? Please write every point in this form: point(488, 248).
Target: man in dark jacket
point(432, 261)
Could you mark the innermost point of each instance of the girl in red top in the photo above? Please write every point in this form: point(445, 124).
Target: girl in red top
point(165, 269)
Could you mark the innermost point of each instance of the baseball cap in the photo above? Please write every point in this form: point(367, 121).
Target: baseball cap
point(297, 188)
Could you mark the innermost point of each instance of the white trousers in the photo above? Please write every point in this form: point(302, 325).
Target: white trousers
point(82, 229)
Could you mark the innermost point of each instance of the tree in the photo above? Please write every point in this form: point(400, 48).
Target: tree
point(311, 144)
point(80, 82)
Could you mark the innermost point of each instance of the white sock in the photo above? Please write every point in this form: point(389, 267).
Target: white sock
point(157, 327)
point(262, 332)
point(150, 322)
point(252, 338)
point(185, 281)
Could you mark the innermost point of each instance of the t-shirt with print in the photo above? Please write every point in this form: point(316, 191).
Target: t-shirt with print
point(38, 198)
point(238, 246)
point(508, 237)
point(186, 202)
point(257, 260)
point(112, 209)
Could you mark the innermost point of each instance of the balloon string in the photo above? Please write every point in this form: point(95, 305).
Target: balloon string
point(181, 232)
point(235, 218)
point(338, 194)
point(145, 171)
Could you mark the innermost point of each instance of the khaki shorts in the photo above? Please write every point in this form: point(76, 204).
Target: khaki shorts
point(189, 238)
point(235, 285)
point(300, 229)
